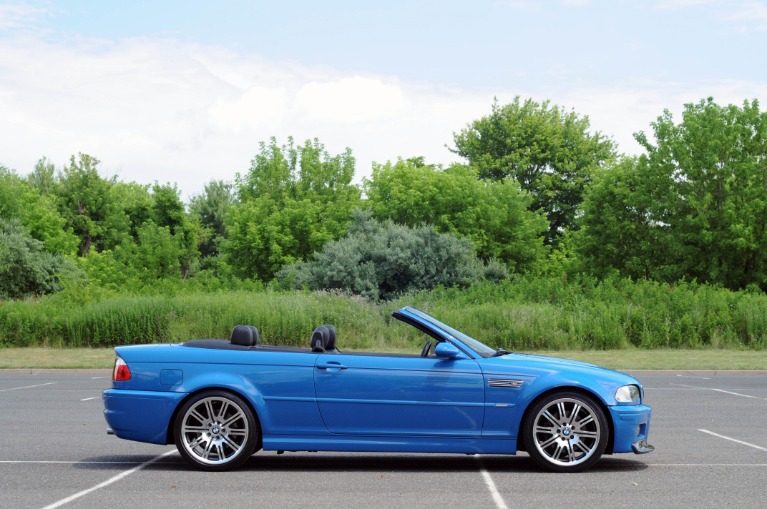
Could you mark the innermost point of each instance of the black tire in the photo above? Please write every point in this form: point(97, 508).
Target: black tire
point(565, 432)
point(216, 431)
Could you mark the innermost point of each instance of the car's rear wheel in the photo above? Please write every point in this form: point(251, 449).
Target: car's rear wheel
point(565, 432)
point(216, 430)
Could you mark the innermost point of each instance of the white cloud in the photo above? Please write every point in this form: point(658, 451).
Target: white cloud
point(751, 12)
point(20, 16)
point(683, 4)
point(621, 111)
point(351, 100)
point(162, 110)
point(258, 106)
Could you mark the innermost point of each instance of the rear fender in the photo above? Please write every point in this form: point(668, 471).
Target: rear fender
point(233, 383)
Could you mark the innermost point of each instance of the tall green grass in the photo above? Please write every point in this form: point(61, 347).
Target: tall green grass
point(522, 314)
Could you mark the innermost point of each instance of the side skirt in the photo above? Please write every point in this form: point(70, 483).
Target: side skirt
point(389, 444)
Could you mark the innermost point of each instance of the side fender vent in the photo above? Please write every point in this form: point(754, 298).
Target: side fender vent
point(509, 384)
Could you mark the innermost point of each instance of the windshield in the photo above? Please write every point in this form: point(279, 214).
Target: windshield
point(480, 348)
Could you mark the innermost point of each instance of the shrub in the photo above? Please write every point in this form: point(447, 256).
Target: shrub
point(380, 260)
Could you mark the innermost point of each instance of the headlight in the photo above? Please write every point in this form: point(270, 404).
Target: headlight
point(628, 394)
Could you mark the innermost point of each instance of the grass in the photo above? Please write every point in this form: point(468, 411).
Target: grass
point(665, 359)
point(56, 358)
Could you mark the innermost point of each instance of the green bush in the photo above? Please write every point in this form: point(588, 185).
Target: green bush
point(519, 314)
point(381, 260)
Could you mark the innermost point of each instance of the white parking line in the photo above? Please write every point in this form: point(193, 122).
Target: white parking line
point(721, 390)
point(497, 498)
point(736, 394)
point(62, 462)
point(89, 399)
point(27, 387)
point(733, 440)
point(109, 481)
point(698, 465)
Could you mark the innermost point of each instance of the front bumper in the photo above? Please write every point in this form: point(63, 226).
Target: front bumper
point(631, 426)
point(642, 447)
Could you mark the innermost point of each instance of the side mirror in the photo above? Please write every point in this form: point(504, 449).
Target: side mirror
point(445, 350)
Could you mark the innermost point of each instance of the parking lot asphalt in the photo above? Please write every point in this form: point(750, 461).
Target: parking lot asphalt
point(708, 429)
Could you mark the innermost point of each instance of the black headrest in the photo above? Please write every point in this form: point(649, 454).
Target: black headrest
point(330, 344)
point(320, 338)
point(245, 335)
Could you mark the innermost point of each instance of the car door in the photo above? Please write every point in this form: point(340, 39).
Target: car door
point(399, 395)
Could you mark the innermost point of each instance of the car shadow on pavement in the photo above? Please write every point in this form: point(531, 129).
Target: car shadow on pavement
point(334, 462)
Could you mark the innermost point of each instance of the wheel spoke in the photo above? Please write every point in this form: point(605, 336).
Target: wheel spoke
point(570, 453)
point(197, 441)
point(553, 420)
point(206, 451)
point(548, 442)
point(209, 409)
point(558, 452)
point(194, 413)
point(222, 411)
point(561, 410)
point(231, 443)
point(583, 448)
point(574, 414)
point(232, 419)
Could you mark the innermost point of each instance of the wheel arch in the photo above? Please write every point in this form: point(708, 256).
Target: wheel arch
point(578, 390)
point(170, 435)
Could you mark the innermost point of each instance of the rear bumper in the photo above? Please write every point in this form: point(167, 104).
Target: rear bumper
point(143, 416)
point(631, 426)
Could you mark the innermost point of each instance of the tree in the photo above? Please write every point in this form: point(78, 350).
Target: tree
point(626, 223)
point(381, 260)
point(699, 196)
point(210, 209)
point(83, 200)
point(547, 150)
point(37, 212)
point(26, 268)
point(168, 211)
point(43, 177)
point(292, 201)
point(492, 214)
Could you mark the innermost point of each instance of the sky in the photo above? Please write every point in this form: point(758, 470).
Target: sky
point(183, 91)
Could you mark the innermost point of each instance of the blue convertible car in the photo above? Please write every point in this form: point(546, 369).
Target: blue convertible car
point(220, 401)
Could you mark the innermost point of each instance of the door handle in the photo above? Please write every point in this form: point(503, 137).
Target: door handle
point(335, 366)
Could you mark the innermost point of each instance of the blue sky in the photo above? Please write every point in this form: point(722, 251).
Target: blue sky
point(183, 91)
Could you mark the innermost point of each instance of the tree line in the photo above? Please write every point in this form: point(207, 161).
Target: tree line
point(537, 193)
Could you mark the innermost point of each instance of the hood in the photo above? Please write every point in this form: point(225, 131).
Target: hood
point(541, 365)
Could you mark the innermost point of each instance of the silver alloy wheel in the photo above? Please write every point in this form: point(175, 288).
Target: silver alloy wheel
point(214, 430)
point(566, 432)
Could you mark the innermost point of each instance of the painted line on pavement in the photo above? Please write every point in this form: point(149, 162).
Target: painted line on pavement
point(733, 440)
point(27, 387)
point(497, 498)
point(109, 481)
point(721, 390)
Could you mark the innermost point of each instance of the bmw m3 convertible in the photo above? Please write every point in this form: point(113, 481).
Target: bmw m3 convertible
point(220, 401)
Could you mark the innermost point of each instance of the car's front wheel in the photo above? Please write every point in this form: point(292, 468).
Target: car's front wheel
point(565, 432)
point(216, 431)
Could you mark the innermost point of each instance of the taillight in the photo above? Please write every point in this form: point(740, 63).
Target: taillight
point(121, 372)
